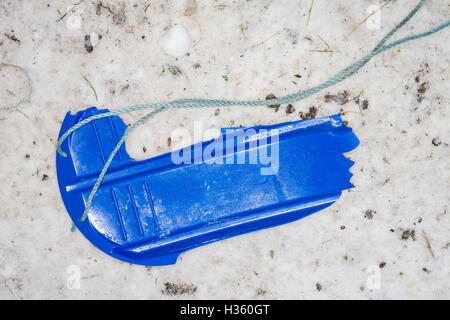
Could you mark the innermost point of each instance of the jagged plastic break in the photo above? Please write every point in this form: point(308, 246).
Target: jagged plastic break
point(149, 212)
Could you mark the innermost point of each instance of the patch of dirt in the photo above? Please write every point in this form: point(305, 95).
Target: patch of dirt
point(422, 90)
point(191, 7)
point(119, 17)
point(340, 98)
point(311, 114)
point(369, 214)
point(260, 292)
point(409, 234)
point(174, 289)
point(364, 104)
point(99, 6)
point(174, 70)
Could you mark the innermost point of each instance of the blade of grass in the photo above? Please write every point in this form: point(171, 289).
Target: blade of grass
point(92, 87)
point(309, 12)
point(328, 46)
point(69, 11)
point(367, 18)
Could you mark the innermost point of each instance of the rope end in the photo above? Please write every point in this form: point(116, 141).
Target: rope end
point(60, 152)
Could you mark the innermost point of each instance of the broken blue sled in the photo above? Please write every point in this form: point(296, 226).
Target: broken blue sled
point(149, 212)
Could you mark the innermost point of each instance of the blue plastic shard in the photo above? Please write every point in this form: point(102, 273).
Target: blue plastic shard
point(149, 212)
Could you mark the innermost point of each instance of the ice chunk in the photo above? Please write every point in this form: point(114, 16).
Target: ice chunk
point(176, 42)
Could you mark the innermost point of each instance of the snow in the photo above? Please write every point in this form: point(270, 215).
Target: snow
point(262, 46)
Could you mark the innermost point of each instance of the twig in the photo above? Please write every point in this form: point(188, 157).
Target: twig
point(428, 243)
point(379, 9)
point(22, 113)
point(92, 87)
point(69, 11)
point(12, 38)
point(309, 12)
point(350, 111)
point(100, 5)
point(326, 50)
point(147, 6)
point(262, 42)
point(92, 276)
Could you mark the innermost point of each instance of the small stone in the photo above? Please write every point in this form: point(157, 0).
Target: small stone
point(290, 109)
point(365, 105)
point(87, 43)
point(436, 141)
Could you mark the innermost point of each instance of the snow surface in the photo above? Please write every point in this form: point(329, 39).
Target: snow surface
point(240, 50)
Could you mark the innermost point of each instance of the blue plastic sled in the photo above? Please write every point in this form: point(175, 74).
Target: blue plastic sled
point(149, 212)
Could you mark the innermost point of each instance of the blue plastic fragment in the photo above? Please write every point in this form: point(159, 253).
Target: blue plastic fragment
point(148, 212)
